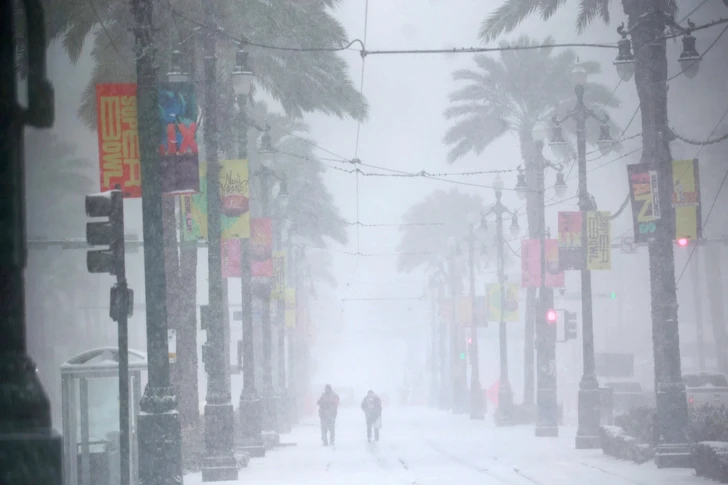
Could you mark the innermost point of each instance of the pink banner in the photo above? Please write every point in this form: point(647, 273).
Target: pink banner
point(531, 264)
point(261, 242)
point(231, 258)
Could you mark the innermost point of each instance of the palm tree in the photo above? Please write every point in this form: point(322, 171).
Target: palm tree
point(301, 82)
point(504, 96)
point(424, 246)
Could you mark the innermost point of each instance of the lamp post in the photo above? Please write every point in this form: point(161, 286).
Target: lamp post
point(458, 368)
point(587, 434)
point(269, 401)
point(284, 423)
point(437, 360)
point(250, 404)
point(505, 393)
point(158, 429)
point(648, 22)
point(477, 410)
point(547, 408)
point(30, 450)
point(219, 462)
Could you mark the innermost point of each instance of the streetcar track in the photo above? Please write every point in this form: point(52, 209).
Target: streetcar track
point(626, 479)
point(480, 469)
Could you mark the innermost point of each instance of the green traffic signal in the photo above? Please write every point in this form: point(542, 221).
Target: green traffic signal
point(462, 355)
point(613, 295)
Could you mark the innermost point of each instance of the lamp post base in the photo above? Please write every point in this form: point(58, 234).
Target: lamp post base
point(504, 413)
point(477, 408)
point(31, 457)
point(587, 434)
point(250, 423)
point(282, 408)
point(219, 463)
point(160, 449)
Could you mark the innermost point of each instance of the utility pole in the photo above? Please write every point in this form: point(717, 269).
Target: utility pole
point(159, 435)
point(477, 410)
point(219, 462)
point(647, 23)
point(547, 420)
point(698, 307)
point(284, 424)
point(30, 450)
point(250, 404)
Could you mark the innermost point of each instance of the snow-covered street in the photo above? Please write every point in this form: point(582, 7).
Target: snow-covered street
point(425, 447)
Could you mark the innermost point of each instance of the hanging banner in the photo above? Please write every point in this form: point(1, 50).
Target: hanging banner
point(598, 240)
point(231, 259)
point(178, 153)
point(290, 307)
point(645, 205)
point(116, 111)
point(531, 264)
point(279, 275)
point(493, 292)
point(233, 185)
point(261, 247)
point(686, 199)
point(571, 255)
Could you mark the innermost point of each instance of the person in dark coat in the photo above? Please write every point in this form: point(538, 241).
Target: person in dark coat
point(328, 405)
point(372, 407)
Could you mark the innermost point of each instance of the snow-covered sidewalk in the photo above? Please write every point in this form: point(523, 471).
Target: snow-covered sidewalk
point(426, 447)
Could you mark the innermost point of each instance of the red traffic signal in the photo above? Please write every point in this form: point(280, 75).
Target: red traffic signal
point(551, 316)
point(682, 242)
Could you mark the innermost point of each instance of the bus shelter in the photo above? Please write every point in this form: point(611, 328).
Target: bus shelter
point(90, 402)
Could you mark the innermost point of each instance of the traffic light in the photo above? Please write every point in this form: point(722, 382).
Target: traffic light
point(106, 233)
point(683, 242)
point(569, 325)
point(551, 316)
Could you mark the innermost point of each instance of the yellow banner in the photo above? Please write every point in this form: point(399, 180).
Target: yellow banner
point(234, 203)
point(686, 199)
point(510, 302)
point(598, 240)
point(290, 307)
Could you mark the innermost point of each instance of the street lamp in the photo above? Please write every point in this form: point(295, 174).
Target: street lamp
point(250, 404)
point(587, 435)
point(458, 365)
point(504, 413)
point(219, 461)
point(648, 24)
point(283, 226)
point(477, 410)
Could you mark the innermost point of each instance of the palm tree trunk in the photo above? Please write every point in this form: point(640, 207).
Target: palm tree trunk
point(532, 216)
point(711, 259)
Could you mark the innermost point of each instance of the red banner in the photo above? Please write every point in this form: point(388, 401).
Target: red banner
point(231, 258)
point(261, 244)
point(531, 264)
point(116, 110)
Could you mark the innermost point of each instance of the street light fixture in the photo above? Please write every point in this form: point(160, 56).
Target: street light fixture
point(521, 187)
point(176, 73)
point(560, 186)
point(504, 413)
point(689, 57)
point(242, 75)
point(605, 141)
point(625, 58)
point(250, 405)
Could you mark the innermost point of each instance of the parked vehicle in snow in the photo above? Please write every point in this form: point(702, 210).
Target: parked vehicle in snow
point(706, 388)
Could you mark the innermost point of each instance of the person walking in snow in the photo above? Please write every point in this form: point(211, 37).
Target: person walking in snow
point(328, 405)
point(372, 407)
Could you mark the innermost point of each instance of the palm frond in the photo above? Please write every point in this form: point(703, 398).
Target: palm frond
point(506, 18)
point(589, 10)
